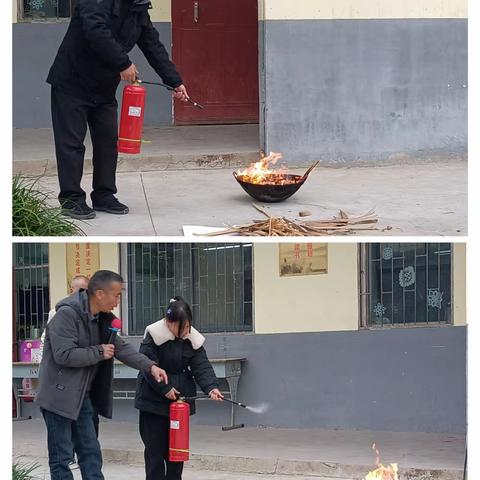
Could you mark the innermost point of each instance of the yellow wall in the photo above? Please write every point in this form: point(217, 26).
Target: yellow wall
point(310, 303)
point(109, 260)
point(332, 9)
point(459, 284)
point(109, 257)
point(161, 11)
point(362, 9)
point(58, 272)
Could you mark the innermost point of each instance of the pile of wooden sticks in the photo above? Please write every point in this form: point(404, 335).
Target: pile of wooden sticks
point(284, 227)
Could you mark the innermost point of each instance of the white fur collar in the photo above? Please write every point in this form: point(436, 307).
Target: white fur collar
point(161, 334)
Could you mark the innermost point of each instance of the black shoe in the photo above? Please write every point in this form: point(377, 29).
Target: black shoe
point(111, 205)
point(78, 211)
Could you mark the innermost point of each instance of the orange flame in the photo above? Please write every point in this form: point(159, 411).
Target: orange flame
point(261, 173)
point(382, 472)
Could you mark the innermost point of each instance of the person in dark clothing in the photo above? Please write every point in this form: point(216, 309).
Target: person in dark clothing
point(175, 345)
point(76, 374)
point(85, 74)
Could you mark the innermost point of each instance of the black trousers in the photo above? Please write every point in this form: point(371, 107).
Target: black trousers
point(154, 430)
point(70, 118)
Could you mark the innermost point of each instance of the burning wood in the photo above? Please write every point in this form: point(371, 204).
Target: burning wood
point(381, 472)
point(260, 172)
point(267, 185)
point(283, 227)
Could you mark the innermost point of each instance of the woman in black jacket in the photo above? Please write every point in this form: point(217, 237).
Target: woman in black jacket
point(178, 348)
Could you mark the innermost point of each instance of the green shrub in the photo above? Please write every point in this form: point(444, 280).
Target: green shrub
point(33, 217)
point(23, 472)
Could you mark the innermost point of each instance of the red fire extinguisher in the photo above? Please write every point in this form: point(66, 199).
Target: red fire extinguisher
point(179, 432)
point(131, 118)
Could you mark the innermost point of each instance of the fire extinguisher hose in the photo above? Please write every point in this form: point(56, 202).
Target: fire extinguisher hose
point(171, 89)
point(199, 397)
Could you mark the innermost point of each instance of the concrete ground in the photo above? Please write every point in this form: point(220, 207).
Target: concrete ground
point(209, 146)
point(412, 200)
point(185, 178)
point(113, 471)
point(244, 453)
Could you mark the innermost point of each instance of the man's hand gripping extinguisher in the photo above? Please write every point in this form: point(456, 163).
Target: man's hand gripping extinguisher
point(179, 437)
point(131, 118)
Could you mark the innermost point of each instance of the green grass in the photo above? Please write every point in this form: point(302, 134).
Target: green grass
point(23, 472)
point(33, 217)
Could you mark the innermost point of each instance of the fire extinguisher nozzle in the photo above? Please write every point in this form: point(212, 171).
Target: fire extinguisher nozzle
point(195, 104)
point(235, 403)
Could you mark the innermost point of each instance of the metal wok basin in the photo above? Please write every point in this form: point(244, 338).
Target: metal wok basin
point(273, 192)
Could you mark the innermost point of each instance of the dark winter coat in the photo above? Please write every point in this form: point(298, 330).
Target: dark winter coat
point(185, 362)
point(95, 48)
point(71, 358)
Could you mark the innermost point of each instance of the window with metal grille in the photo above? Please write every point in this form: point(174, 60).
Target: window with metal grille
point(215, 279)
point(31, 289)
point(36, 10)
point(405, 284)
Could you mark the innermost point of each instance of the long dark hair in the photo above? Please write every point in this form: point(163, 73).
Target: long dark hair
point(179, 311)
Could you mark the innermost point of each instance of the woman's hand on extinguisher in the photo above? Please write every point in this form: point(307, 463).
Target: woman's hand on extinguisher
point(181, 94)
point(159, 374)
point(215, 394)
point(129, 74)
point(173, 394)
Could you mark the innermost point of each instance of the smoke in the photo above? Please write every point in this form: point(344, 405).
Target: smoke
point(262, 408)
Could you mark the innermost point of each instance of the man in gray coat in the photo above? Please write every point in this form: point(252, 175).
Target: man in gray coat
point(76, 374)
point(78, 282)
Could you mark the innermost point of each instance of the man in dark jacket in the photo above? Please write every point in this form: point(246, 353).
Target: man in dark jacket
point(89, 65)
point(76, 374)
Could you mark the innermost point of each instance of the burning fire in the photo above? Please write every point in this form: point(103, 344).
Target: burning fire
point(381, 472)
point(261, 173)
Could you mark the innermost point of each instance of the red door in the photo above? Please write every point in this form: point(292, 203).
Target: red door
point(215, 47)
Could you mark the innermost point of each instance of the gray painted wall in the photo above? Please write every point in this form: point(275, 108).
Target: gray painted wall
point(34, 48)
point(340, 91)
point(411, 379)
point(365, 90)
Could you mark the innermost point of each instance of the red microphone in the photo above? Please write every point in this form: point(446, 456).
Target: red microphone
point(114, 328)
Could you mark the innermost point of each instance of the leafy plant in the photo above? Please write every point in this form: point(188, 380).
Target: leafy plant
point(23, 472)
point(33, 217)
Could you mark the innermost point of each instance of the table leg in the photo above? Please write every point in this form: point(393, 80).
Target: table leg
point(233, 387)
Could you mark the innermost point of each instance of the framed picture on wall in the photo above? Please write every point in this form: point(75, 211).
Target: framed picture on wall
point(297, 259)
